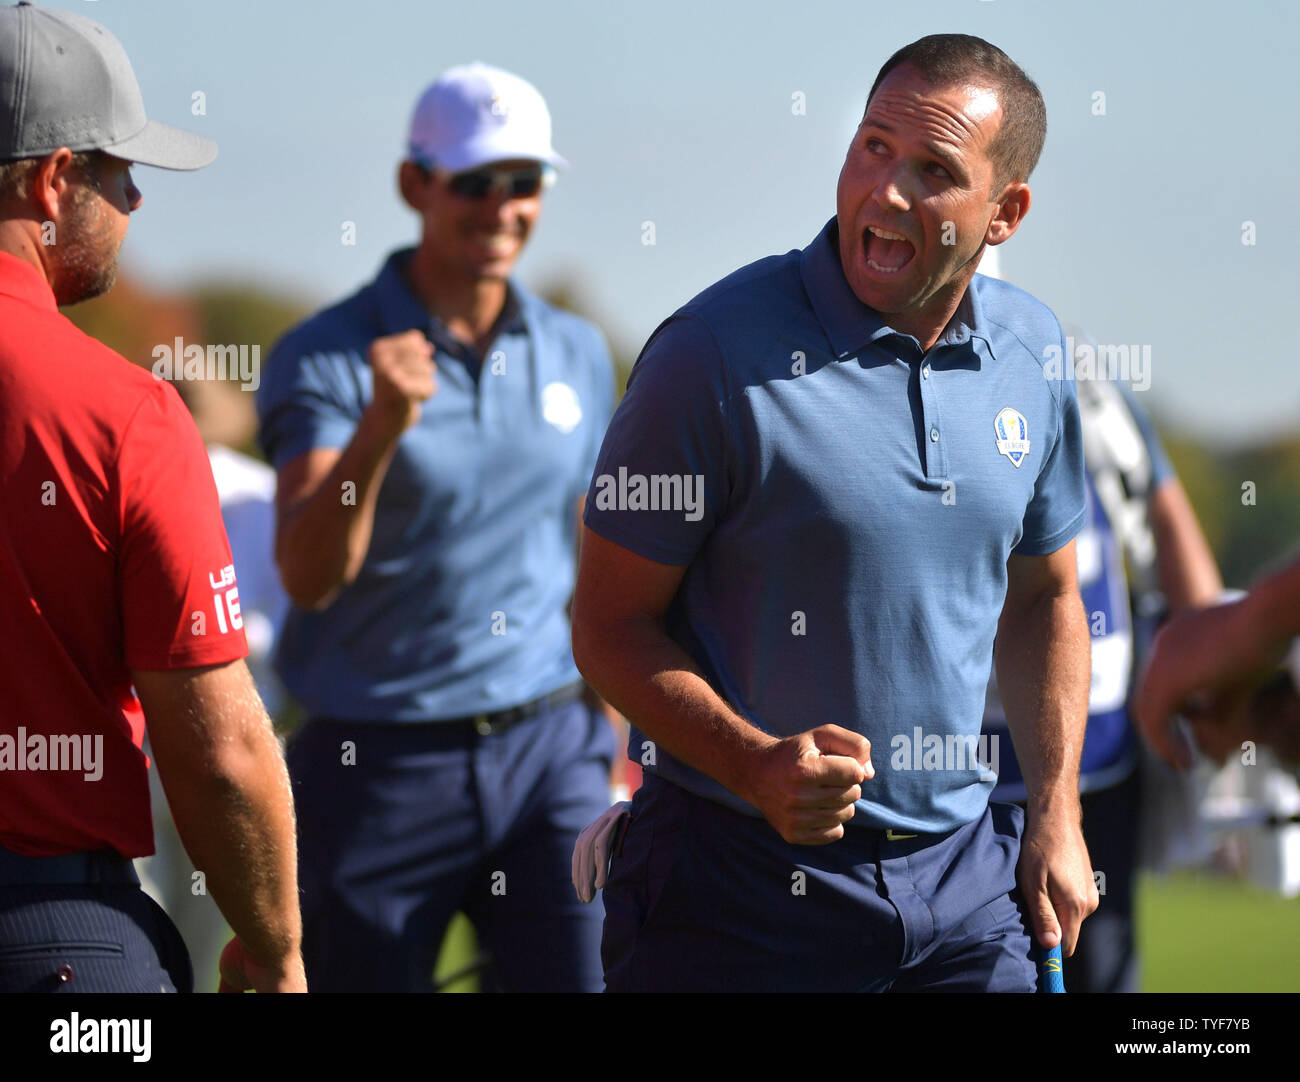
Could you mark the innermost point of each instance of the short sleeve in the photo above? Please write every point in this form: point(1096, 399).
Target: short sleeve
point(306, 400)
point(1162, 469)
point(660, 481)
point(179, 597)
point(1059, 505)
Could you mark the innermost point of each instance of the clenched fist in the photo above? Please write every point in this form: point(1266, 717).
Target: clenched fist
point(404, 376)
point(806, 785)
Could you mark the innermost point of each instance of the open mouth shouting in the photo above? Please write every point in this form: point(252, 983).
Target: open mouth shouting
point(886, 252)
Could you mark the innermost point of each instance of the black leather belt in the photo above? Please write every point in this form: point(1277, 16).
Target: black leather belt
point(498, 722)
point(100, 866)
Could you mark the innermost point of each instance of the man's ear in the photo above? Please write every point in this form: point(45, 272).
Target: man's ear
point(1012, 208)
point(52, 183)
point(413, 183)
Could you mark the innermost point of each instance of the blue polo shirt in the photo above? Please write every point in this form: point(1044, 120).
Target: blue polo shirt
point(460, 605)
point(844, 505)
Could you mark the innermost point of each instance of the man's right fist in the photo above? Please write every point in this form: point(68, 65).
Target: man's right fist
point(806, 785)
point(404, 376)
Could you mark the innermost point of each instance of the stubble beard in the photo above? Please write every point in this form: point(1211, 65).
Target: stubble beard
point(87, 254)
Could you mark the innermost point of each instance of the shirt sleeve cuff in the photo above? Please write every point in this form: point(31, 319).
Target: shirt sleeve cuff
point(1033, 546)
point(648, 548)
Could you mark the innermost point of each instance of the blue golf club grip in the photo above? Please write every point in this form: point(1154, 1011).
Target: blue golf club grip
point(1050, 976)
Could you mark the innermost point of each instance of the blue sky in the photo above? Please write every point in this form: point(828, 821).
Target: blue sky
point(684, 117)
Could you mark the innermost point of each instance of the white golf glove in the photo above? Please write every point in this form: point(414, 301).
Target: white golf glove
point(592, 851)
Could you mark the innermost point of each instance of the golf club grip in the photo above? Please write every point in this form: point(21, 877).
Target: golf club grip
point(1050, 975)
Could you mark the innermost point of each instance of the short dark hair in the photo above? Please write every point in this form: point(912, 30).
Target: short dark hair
point(946, 59)
point(16, 175)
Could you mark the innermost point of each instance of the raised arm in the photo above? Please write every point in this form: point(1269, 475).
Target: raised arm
point(321, 539)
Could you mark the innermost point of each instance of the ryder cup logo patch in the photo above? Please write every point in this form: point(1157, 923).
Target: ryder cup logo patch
point(1012, 434)
point(560, 407)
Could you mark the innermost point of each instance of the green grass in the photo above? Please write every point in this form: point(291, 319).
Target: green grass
point(1203, 933)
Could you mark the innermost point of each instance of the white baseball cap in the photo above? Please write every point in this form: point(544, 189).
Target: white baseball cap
point(66, 81)
point(476, 114)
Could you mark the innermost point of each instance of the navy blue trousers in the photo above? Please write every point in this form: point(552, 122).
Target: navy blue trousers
point(431, 820)
point(88, 938)
point(701, 898)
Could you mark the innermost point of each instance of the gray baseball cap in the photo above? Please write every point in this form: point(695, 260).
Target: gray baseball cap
point(65, 81)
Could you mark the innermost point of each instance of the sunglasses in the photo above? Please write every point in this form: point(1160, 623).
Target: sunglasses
point(523, 182)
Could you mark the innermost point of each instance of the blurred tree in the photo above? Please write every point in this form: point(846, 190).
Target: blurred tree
point(234, 314)
point(1201, 474)
point(245, 315)
point(135, 320)
point(1248, 502)
point(1263, 522)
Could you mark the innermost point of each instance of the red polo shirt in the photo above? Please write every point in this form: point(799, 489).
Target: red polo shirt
point(113, 557)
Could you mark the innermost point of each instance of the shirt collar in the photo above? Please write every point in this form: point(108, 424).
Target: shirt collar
point(968, 321)
point(401, 310)
point(20, 279)
point(850, 324)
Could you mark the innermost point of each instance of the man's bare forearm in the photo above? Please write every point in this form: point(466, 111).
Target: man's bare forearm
point(323, 536)
point(229, 795)
point(1043, 658)
point(656, 685)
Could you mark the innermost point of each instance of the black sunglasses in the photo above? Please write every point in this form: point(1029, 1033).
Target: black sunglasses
point(523, 182)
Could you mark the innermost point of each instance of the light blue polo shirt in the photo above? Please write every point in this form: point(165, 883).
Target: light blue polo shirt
point(858, 500)
point(460, 605)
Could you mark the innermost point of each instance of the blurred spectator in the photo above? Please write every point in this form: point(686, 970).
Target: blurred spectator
point(426, 532)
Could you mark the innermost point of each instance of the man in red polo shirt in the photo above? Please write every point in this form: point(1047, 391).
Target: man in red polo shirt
point(118, 599)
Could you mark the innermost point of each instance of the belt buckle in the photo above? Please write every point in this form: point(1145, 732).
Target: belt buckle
point(893, 835)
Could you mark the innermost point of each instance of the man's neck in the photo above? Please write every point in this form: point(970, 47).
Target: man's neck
point(925, 326)
point(468, 308)
point(928, 326)
point(16, 239)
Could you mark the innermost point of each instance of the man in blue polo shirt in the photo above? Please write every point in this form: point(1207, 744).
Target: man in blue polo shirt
point(835, 476)
point(426, 531)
